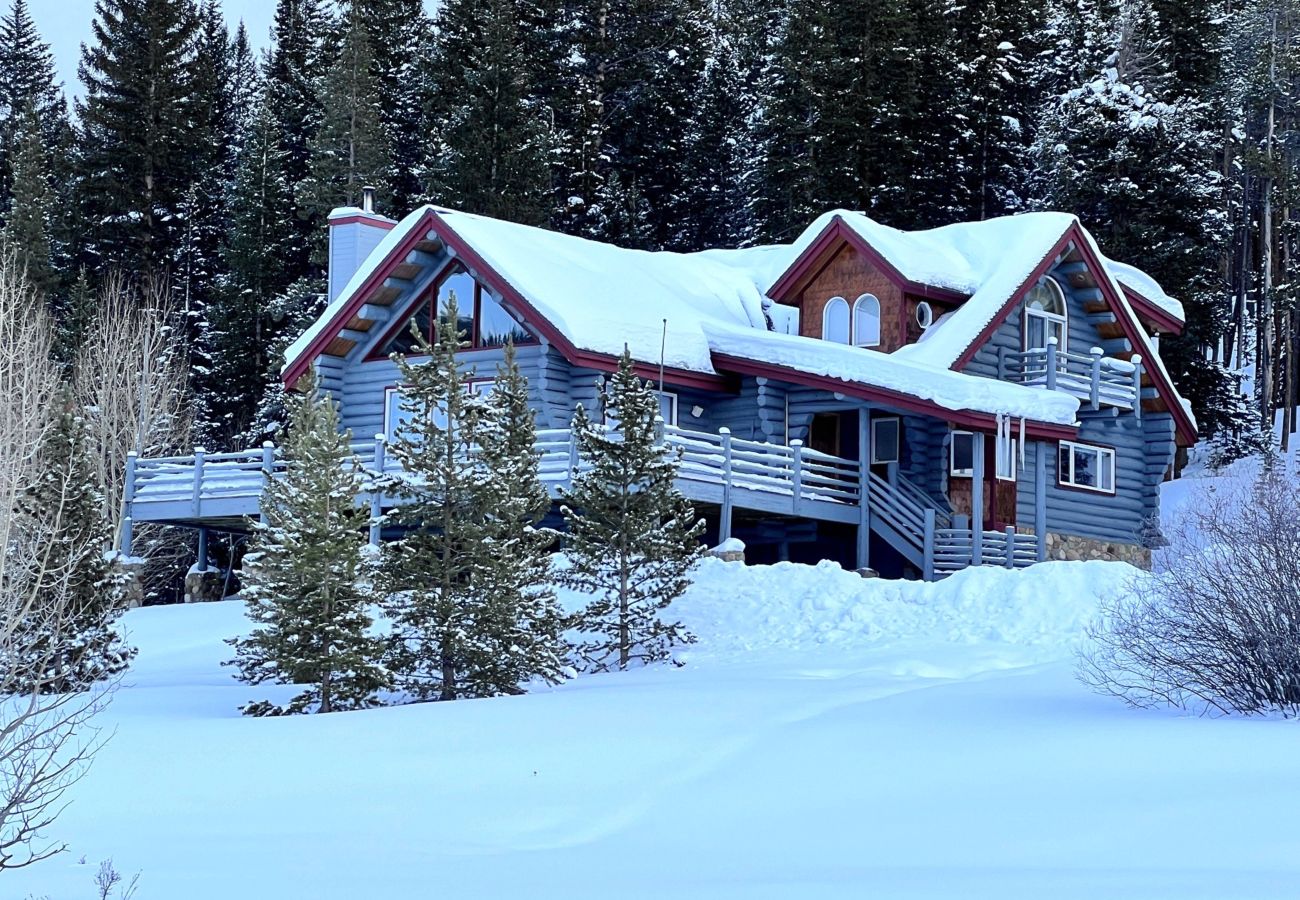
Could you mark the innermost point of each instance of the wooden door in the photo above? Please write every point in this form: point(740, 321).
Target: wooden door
point(824, 433)
point(999, 494)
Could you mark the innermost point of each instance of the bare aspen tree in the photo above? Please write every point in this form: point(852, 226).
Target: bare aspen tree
point(46, 738)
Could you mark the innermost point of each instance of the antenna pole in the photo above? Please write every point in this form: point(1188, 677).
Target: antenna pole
point(663, 348)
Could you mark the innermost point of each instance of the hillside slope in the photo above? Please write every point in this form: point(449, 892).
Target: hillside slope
point(828, 737)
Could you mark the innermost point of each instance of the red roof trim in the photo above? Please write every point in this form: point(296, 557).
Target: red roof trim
point(966, 417)
point(471, 259)
point(373, 221)
point(1039, 271)
point(1184, 424)
point(1147, 309)
point(838, 231)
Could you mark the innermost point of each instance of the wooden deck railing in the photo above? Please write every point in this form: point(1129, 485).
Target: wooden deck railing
point(715, 468)
point(1094, 377)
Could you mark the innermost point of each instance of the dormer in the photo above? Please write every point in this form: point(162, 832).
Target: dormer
point(848, 293)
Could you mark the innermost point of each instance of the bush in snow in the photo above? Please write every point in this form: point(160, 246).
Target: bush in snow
point(303, 577)
point(465, 580)
point(1219, 627)
point(632, 537)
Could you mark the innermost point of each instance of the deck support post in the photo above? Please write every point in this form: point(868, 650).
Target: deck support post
point(864, 488)
point(376, 494)
point(1051, 364)
point(128, 505)
point(797, 474)
point(1011, 546)
point(927, 547)
point(1040, 497)
point(724, 520)
point(1137, 388)
point(203, 549)
point(196, 497)
point(268, 472)
point(977, 500)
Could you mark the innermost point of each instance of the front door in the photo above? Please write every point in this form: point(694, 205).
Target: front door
point(824, 433)
point(999, 493)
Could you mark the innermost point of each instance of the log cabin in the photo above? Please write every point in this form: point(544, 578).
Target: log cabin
point(905, 403)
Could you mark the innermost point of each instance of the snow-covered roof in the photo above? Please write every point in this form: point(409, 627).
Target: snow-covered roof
point(601, 298)
point(853, 365)
point(1136, 280)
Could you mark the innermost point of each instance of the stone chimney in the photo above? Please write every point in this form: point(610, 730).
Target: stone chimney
point(354, 235)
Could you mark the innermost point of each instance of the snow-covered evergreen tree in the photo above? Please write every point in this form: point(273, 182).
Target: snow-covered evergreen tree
point(526, 622)
point(305, 582)
point(137, 144)
point(27, 226)
point(76, 646)
point(493, 144)
point(465, 582)
point(632, 537)
point(350, 149)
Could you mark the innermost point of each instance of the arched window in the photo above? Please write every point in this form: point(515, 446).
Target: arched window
point(1045, 316)
point(866, 321)
point(835, 320)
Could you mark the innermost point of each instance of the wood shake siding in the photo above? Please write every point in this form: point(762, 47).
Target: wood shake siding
point(848, 274)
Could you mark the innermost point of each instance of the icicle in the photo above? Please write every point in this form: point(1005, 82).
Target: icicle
point(1022, 442)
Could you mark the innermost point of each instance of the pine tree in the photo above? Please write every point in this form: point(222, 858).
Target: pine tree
point(493, 146)
point(74, 644)
point(1138, 168)
point(400, 38)
point(28, 87)
point(294, 74)
point(136, 151)
point(632, 537)
point(304, 580)
point(525, 623)
point(466, 581)
point(27, 228)
point(350, 149)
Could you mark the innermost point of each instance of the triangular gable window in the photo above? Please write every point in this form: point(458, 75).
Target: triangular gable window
point(483, 321)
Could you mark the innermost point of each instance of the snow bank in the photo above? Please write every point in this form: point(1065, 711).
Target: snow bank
point(733, 608)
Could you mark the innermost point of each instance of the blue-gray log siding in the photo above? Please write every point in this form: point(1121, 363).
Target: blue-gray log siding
point(768, 410)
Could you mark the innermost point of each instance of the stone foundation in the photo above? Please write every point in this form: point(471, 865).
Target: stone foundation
point(730, 550)
point(1071, 547)
point(205, 587)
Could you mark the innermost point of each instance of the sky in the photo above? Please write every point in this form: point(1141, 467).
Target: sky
point(65, 24)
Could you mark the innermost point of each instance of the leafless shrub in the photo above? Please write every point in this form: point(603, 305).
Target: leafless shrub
point(45, 738)
point(1217, 629)
point(108, 878)
point(130, 376)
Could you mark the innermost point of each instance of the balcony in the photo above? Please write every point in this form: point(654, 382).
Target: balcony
point(1093, 378)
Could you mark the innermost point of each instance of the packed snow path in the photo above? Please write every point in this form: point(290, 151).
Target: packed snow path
point(828, 737)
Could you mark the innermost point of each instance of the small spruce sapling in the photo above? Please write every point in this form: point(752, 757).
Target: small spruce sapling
point(632, 537)
point(304, 579)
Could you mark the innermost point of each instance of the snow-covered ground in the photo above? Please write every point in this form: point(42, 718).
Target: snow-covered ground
point(828, 737)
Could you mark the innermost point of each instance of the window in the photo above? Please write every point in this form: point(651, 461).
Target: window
point(924, 315)
point(866, 321)
point(1045, 316)
point(667, 407)
point(835, 320)
point(1087, 467)
point(884, 440)
point(395, 417)
point(961, 455)
point(1005, 462)
point(481, 320)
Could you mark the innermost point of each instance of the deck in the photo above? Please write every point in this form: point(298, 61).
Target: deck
point(223, 491)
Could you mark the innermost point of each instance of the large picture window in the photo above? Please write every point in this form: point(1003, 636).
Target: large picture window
point(396, 418)
point(1045, 316)
point(1086, 467)
point(481, 320)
